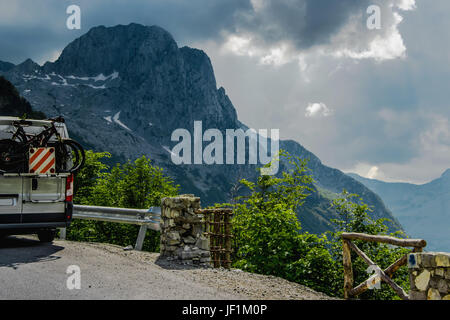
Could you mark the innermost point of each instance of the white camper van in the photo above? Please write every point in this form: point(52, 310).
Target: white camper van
point(36, 189)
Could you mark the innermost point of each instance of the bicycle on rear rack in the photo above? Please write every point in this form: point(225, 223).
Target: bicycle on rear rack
point(15, 152)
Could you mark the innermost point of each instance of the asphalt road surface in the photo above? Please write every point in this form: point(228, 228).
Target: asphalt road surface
point(31, 270)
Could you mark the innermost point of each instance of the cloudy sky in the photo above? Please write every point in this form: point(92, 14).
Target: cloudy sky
point(371, 101)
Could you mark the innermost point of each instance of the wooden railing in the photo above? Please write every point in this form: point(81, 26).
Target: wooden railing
point(381, 275)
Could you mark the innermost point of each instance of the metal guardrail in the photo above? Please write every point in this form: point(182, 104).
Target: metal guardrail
point(146, 218)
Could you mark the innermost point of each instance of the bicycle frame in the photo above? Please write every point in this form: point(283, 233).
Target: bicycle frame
point(38, 140)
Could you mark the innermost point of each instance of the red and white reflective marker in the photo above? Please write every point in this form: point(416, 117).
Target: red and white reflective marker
point(42, 160)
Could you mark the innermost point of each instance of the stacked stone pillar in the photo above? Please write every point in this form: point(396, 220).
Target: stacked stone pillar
point(429, 275)
point(182, 231)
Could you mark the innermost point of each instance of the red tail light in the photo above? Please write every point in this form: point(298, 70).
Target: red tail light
point(69, 188)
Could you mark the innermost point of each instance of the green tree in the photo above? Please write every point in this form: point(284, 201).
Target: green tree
point(267, 231)
point(87, 177)
point(136, 184)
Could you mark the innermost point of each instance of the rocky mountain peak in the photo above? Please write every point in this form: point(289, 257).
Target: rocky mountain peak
point(128, 49)
point(6, 66)
point(199, 66)
point(28, 66)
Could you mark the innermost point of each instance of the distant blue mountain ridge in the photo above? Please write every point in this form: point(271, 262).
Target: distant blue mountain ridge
point(423, 210)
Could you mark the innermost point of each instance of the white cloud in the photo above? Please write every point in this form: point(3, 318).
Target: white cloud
point(406, 5)
point(373, 172)
point(243, 46)
point(277, 57)
point(318, 109)
point(257, 4)
point(366, 170)
point(275, 43)
point(239, 45)
point(381, 48)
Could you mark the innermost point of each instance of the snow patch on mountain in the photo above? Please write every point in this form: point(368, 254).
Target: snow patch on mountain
point(116, 120)
point(99, 77)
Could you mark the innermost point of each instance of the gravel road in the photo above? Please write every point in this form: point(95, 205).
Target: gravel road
point(31, 270)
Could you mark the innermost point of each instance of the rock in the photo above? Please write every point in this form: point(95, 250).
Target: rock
point(183, 232)
point(417, 295)
point(173, 235)
point(422, 280)
point(204, 253)
point(202, 243)
point(169, 223)
point(433, 294)
point(189, 240)
point(177, 252)
point(187, 255)
point(433, 283)
point(173, 213)
point(442, 260)
point(442, 286)
point(440, 272)
point(426, 260)
point(197, 230)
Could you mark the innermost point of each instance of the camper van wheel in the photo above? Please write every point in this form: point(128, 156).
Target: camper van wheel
point(46, 235)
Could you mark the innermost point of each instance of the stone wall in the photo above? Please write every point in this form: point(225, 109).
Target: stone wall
point(182, 231)
point(429, 274)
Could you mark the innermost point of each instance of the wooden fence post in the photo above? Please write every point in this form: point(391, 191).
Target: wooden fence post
point(348, 272)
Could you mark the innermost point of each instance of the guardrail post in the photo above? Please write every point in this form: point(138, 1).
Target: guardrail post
point(62, 233)
point(140, 238)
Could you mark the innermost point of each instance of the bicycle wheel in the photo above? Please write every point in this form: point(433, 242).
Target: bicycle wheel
point(12, 156)
point(71, 156)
